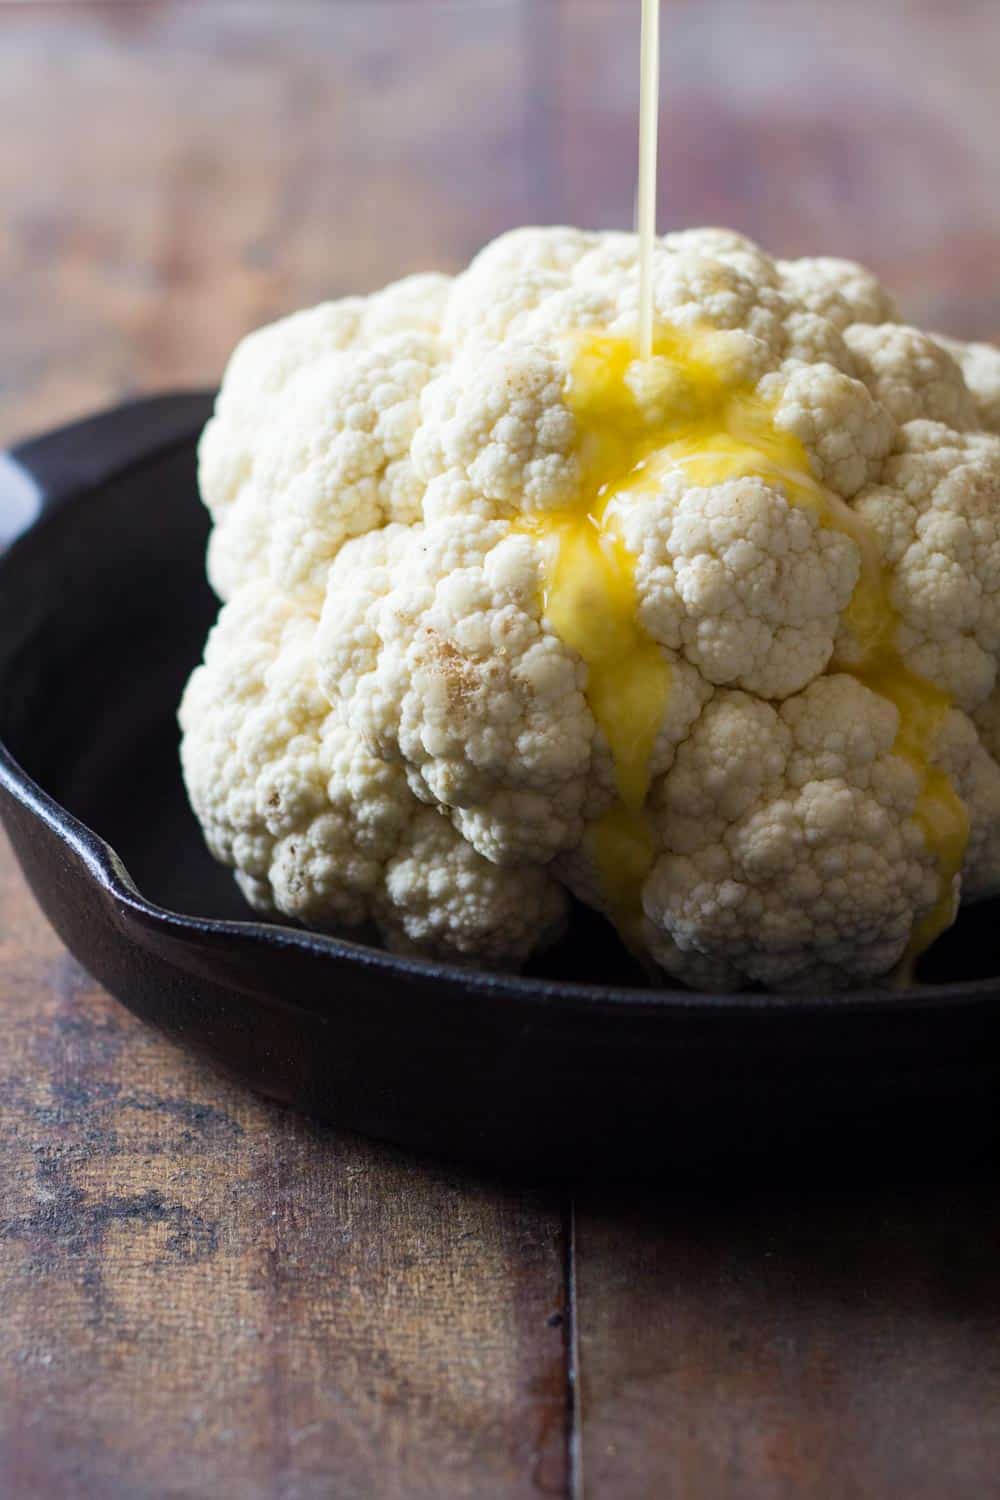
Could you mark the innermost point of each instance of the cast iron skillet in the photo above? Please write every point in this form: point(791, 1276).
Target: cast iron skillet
point(573, 1068)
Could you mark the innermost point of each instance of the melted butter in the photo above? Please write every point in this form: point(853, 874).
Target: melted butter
point(687, 411)
point(649, 123)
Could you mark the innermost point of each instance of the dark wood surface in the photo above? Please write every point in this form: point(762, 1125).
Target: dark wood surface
point(200, 1295)
point(836, 1344)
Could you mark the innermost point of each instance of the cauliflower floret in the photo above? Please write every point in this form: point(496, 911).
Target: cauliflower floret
point(749, 586)
point(260, 368)
point(936, 515)
point(980, 366)
point(401, 723)
point(723, 245)
point(844, 432)
point(439, 896)
point(498, 429)
point(789, 844)
point(910, 374)
point(279, 382)
point(319, 829)
point(266, 360)
point(533, 286)
point(839, 290)
point(811, 340)
point(692, 289)
point(335, 462)
point(464, 684)
point(509, 279)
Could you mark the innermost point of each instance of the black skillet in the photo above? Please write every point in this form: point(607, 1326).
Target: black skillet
point(574, 1067)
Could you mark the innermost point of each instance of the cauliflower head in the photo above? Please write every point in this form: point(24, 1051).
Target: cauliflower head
point(708, 641)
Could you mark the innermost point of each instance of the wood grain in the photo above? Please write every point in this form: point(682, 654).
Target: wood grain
point(174, 174)
point(776, 1346)
point(203, 1296)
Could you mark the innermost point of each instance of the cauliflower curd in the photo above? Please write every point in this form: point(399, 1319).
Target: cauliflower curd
point(708, 640)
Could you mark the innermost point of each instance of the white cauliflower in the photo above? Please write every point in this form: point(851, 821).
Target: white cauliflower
point(935, 514)
point(746, 586)
point(711, 643)
point(790, 845)
point(980, 367)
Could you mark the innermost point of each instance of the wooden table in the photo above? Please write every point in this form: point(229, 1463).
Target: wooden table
point(202, 1296)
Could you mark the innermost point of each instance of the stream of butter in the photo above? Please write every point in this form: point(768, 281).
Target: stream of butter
point(649, 127)
point(687, 410)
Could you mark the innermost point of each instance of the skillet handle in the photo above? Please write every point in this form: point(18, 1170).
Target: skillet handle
point(39, 474)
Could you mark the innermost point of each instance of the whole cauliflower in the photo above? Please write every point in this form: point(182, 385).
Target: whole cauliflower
point(710, 643)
